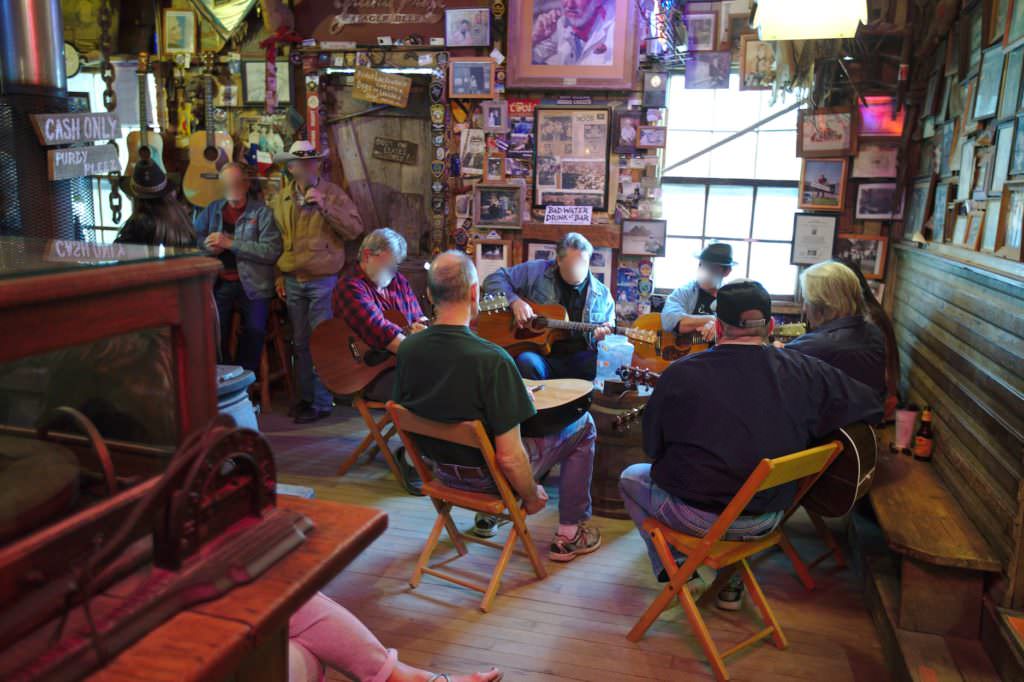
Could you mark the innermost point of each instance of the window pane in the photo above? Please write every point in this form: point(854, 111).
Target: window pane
point(683, 207)
point(739, 254)
point(735, 109)
point(679, 265)
point(784, 122)
point(773, 213)
point(776, 156)
point(769, 265)
point(734, 160)
point(682, 144)
point(729, 211)
point(689, 109)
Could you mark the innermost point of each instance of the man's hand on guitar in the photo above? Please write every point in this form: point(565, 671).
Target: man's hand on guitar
point(523, 312)
point(218, 242)
point(538, 502)
point(708, 331)
point(601, 332)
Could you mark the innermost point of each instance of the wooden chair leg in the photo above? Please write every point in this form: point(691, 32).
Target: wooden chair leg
point(378, 438)
point(665, 597)
point(428, 549)
point(453, 531)
point(499, 570)
point(798, 565)
point(283, 356)
point(265, 380)
point(757, 596)
point(519, 525)
point(354, 456)
point(835, 551)
point(700, 630)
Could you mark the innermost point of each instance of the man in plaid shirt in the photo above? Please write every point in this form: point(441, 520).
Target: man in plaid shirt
point(374, 287)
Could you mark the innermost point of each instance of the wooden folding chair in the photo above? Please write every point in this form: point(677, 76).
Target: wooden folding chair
point(728, 556)
point(379, 432)
point(504, 505)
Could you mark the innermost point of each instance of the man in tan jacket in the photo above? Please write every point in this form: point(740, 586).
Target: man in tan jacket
point(315, 218)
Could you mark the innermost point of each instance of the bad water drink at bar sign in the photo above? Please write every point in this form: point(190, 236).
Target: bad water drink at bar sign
point(568, 215)
point(78, 162)
point(376, 86)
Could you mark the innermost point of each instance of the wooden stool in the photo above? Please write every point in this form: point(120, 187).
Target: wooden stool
point(276, 342)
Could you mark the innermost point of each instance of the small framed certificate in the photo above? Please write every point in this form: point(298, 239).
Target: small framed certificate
point(813, 237)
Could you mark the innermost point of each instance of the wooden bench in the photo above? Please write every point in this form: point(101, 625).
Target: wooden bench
point(943, 556)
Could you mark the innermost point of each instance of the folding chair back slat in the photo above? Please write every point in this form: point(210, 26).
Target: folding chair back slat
point(798, 466)
point(462, 433)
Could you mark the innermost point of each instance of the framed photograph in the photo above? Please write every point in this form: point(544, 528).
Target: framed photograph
point(1015, 24)
point(879, 201)
point(708, 71)
point(986, 102)
point(1010, 94)
point(1011, 220)
point(602, 265)
point(499, 206)
point(940, 211)
point(827, 132)
point(467, 27)
point(975, 37)
point(655, 89)
point(997, 21)
point(626, 131)
point(494, 167)
point(1017, 158)
point(990, 237)
point(570, 162)
point(550, 48)
point(495, 115)
point(877, 290)
point(652, 137)
point(959, 230)
point(644, 237)
point(739, 26)
point(875, 161)
point(813, 238)
point(757, 64)
point(948, 139)
point(463, 205)
point(879, 117)
point(985, 157)
point(181, 31)
point(918, 205)
point(471, 78)
point(867, 251)
point(701, 33)
point(1001, 158)
point(975, 221)
point(541, 250)
point(491, 255)
point(254, 82)
point(966, 179)
point(823, 184)
point(926, 157)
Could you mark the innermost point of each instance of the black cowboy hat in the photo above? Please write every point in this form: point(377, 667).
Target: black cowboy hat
point(717, 254)
point(147, 181)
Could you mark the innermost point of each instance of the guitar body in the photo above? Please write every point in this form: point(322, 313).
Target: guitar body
point(152, 148)
point(500, 328)
point(202, 178)
point(559, 402)
point(672, 346)
point(344, 362)
point(850, 476)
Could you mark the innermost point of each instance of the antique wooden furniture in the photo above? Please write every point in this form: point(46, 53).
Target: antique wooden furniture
point(711, 550)
point(503, 505)
point(619, 445)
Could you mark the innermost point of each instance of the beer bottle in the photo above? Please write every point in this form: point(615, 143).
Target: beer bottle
point(924, 441)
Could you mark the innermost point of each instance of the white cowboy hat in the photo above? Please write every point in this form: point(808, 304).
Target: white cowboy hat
point(301, 150)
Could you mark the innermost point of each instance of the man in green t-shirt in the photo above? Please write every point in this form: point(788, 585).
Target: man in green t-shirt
point(449, 374)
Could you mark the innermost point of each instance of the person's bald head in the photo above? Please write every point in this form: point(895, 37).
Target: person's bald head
point(452, 280)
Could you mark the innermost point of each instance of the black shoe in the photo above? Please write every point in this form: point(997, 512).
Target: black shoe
point(309, 414)
point(297, 407)
point(410, 480)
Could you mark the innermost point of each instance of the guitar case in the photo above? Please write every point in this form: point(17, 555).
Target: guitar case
point(849, 477)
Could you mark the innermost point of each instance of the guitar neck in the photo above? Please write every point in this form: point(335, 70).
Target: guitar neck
point(143, 113)
point(584, 327)
point(208, 114)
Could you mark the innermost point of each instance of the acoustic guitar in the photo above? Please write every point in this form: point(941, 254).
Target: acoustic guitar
point(143, 143)
point(670, 346)
point(559, 402)
point(847, 479)
point(551, 324)
point(208, 150)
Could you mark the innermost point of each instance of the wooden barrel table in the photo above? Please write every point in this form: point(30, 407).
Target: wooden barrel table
point(618, 446)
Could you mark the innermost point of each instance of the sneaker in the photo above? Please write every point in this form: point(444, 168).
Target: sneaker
point(485, 526)
point(730, 598)
point(565, 549)
point(309, 414)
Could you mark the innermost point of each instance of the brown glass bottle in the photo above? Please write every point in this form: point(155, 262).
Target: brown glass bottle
point(924, 441)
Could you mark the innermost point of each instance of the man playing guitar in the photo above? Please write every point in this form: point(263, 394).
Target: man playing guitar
point(688, 309)
point(567, 281)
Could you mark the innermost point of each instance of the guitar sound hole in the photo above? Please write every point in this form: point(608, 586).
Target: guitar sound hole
point(210, 154)
point(144, 153)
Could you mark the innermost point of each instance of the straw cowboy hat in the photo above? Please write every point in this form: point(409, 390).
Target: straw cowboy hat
point(301, 150)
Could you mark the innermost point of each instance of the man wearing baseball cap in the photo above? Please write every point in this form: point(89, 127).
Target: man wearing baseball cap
point(715, 415)
point(688, 309)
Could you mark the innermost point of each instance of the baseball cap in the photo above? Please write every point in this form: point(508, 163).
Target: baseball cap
point(739, 296)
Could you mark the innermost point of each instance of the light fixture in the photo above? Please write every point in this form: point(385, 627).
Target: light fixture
point(809, 19)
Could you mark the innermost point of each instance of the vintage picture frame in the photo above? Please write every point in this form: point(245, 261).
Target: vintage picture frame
point(757, 63)
point(652, 137)
point(626, 131)
point(1001, 158)
point(919, 203)
point(254, 82)
point(991, 239)
point(471, 77)
point(602, 266)
point(1009, 95)
point(469, 27)
point(501, 206)
point(738, 26)
point(570, 163)
point(822, 133)
point(494, 167)
point(875, 118)
point(876, 160)
point(1014, 25)
point(550, 64)
point(827, 191)
point(975, 223)
point(813, 238)
point(180, 31)
point(1017, 157)
point(940, 211)
point(491, 255)
point(708, 71)
point(539, 250)
point(1011, 219)
point(879, 201)
point(644, 238)
point(495, 116)
point(701, 31)
point(986, 102)
point(867, 251)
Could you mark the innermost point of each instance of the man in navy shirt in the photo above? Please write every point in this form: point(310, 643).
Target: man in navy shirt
point(715, 415)
point(839, 334)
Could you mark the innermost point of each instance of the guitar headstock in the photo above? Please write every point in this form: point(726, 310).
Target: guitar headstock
point(143, 63)
point(494, 303)
point(642, 335)
point(638, 376)
point(787, 332)
point(208, 60)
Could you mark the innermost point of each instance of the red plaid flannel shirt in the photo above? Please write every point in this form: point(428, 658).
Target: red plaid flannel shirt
point(358, 301)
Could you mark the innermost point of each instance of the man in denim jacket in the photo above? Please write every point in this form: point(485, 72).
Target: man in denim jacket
point(241, 232)
point(568, 282)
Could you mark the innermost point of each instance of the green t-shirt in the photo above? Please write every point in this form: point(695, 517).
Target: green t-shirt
point(449, 374)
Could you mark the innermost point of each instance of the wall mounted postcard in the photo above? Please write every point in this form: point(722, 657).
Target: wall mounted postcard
point(644, 237)
point(573, 45)
point(498, 206)
point(571, 162)
point(813, 237)
point(471, 78)
point(1010, 94)
point(879, 201)
point(652, 137)
point(823, 184)
point(491, 255)
point(626, 131)
point(495, 116)
point(826, 132)
point(868, 252)
point(708, 71)
point(701, 33)
point(987, 100)
point(876, 161)
point(880, 117)
point(1002, 158)
point(757, 64)
point(467, 27)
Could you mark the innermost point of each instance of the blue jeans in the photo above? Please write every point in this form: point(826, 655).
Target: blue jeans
point(231, 296)
point(573, 448)
point(643, 498)
point(581, 365)
point(309, 304)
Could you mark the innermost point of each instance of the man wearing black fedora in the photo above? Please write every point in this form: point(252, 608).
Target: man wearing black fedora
point(688, 308)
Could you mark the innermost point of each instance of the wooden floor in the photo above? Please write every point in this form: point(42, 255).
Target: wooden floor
point(571, 626)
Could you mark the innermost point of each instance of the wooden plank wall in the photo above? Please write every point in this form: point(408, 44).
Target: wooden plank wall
point(960, 331)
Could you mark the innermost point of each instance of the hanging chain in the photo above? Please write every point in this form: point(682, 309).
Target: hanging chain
point(109, 102)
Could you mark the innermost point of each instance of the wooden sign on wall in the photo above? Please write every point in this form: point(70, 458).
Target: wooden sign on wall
point(78, 162)
point(376, 86)
point(387, 149)
point(53, 129)
point(362, 21)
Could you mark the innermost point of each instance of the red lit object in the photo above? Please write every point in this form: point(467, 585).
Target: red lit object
point(876, 119)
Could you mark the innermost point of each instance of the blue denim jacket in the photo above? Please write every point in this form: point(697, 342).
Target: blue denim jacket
point(535, 280)
point(257, 244)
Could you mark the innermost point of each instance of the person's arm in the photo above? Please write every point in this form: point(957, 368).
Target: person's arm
point(843, 400)
point(515, 465)
point(355, 304)
point(267, 247)
point(678, 306)
point(604, 313)
point(202, 227)
point(341, 213)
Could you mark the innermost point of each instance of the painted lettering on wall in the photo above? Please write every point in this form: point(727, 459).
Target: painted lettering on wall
point(386, 12)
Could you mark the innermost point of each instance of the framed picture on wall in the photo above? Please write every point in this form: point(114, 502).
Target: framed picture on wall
point(571, 157)
point(1017, 157)
point(708, 71)
point(813, 238)
point(1011, 220)
point(867, 251)
point(495, 115)
point(826, 132)
point(652, 137)
point(180, 31)
point(254, 82)
point(471, 78)
point(879, 201)
point(975, 221)
point(541, 250)
point(823, 184)
point(491, 255)
point(644, 237)
point(986, 101)
point(997, 21)
point(918, 205)
point(990, 237)
point(701, 32)
point(1015, 25)
point(494, 167)
point(1010, 93)
point(499, 206)
point(626, 131)
point(875, 160)
point(739, 26)
point(757, 64)
point(602, 265)
point(467, 27)
point(879, 117)
point(940, 211)
point(1002, 157)
point(544, 51)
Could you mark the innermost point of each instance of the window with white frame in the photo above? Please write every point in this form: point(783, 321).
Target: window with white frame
point(743, 193)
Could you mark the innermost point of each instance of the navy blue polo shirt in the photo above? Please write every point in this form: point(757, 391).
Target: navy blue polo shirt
point(851, 344)
point(715, 415)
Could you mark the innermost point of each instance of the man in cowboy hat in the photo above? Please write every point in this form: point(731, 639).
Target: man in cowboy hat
point(688, 308)
point(315, 217)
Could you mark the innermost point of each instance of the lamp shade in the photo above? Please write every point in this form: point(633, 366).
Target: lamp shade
point(809, 19)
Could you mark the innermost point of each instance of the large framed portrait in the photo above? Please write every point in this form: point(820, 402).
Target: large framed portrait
point(644, 237)
point(568, 44)
point(867, 251)
point(499, 206)
point(823, 184)
point(826, 132)
point(570, 166)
